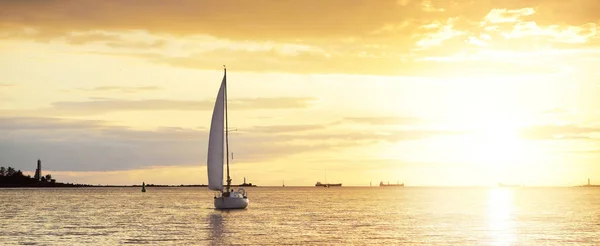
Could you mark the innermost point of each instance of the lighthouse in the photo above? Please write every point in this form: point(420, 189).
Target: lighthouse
point(38, 171)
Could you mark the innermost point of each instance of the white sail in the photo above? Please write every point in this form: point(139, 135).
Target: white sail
point(216, 141)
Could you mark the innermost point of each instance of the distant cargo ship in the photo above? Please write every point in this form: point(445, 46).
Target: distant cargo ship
point(381, 184)
point(327, 185)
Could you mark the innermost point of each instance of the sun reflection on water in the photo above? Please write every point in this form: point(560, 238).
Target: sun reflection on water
point(216, 228)
point(499, 216)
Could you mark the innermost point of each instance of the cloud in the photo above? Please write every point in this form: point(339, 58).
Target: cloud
point(271, 103)
point(281, 21)
point(381, 64)
point(43, 123)
point(122, 89)
point(427, 6)
point(138, 45)
point(78, 145)
point(86, 37)
point(507, 15)
point(6, 85)
point(385, 120)
point(441, 33)
point(169, 175)
point(585, 151)
point(287, 20)
point(241, 20)
point(570, 34)
point(174, 46)
point(111, 105)
point(393, 37)
point(71, 145)
point(288, 128)
point(102, 106)
point(556, 111)
point(403, 2)
point(558, 132)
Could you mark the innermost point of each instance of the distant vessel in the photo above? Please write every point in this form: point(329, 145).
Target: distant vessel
point(381, 184)
point(327, 184)
point(590, 185)
point(217, 139)
point(283, 182)
point(143, 187)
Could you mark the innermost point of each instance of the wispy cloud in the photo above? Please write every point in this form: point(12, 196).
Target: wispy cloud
point(288, 128)
point(123, 89)
point(440, 33)
point(78, 145)
point(556, 111)
point(559, 132)
point(507, 15)
point(45, 123)
point(101, 106)
point(427, 6)
point(72, 145)
point(385, 120)
point(84, 37)
point(570, 34)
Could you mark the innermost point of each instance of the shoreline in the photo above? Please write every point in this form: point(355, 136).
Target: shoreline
point(68, 185)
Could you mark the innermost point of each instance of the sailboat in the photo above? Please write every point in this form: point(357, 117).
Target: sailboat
point(218, 150)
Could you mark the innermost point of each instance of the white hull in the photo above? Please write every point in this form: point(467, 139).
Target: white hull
point(231, 202)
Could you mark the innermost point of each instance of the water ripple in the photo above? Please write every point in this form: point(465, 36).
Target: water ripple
point(305, 216)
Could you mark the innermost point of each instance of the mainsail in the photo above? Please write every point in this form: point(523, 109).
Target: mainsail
point(216, 152)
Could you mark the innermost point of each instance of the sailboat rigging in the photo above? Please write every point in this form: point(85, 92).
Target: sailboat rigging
point(219, 136)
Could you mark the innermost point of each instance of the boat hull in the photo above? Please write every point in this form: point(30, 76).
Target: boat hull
point(231, 202)
point(327, 185)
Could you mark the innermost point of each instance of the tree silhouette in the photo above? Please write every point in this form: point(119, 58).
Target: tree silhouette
point(15, 178)
point(10, 172)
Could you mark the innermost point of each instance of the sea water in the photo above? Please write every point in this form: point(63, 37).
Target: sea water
point(302, 216)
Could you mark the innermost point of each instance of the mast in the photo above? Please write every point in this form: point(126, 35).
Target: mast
point(226, 127)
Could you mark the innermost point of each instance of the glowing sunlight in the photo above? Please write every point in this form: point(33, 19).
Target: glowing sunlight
point(500, 215)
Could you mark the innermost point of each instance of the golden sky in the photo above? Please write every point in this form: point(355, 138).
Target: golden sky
point(422, 92)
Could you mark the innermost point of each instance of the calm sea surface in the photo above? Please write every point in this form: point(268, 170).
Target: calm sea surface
point(302, 216)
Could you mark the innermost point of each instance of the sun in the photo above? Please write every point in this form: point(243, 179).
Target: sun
point(496, 144)
point(496, 147)
point(472, 150)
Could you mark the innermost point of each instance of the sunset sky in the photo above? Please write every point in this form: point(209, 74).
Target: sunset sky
point(422, 92)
